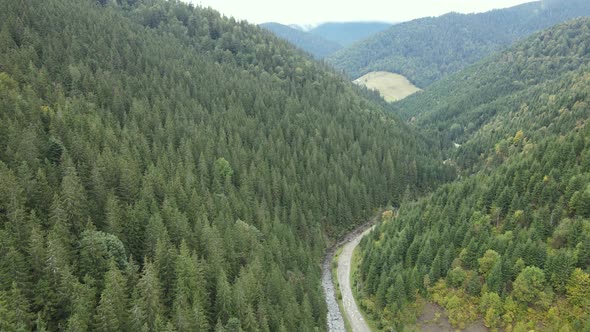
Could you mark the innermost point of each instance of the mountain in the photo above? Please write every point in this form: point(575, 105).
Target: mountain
point(303, 27)
point(327, 38)
point(347, 33)
point(427, 49)
point(508, 242)
point(315, 45)
point(165, 168)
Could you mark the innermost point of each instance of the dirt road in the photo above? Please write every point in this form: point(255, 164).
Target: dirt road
point(351, 309)
point(335, 318)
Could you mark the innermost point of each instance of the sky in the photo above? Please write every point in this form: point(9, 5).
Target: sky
point(318, 11)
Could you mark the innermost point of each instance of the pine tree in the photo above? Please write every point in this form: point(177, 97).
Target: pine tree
point(190, 293)
point(7, 316)
point(494, 279)
point(149, 296)
point(73, 198)
point(223, 298)
point(113, 216)
point(251, 323)
point(111, 313)
point(82, 306)
point(233, 325)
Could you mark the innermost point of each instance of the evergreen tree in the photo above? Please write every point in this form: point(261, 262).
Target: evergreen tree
point(111, 313)
point(149, 297)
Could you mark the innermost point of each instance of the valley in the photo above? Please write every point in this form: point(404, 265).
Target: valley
point(325, 39)
point(167, 168)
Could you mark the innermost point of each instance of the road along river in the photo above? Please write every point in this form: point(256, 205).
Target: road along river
point(335, 318)
point(351, 310)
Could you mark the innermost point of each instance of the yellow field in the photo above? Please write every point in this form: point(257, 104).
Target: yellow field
point(392, 87)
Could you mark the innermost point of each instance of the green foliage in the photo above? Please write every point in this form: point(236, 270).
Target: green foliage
point(490, 306)
point(206, 159)
point(488, 261)
point(460, 306)
point(512, 224)
point(456, 277)
point(111, 313)
point(578, 288)
point(147, 305)
point(495, 279)
point(428, 49)
point(97, 249)
point(529, 285)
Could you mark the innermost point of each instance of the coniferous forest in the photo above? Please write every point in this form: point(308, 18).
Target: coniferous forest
point(509, 241)
point(167, 168)
point(428, 49)
point(164, 168)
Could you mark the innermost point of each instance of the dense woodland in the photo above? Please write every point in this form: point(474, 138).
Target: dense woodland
point(314, 44)
point(427, 49)
point(164, 168)
point(509, 242)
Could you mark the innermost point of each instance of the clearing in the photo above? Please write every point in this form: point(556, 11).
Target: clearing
point(391, 86)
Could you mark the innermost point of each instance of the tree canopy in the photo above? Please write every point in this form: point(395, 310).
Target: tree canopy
point(428, 49)
point(509, 240)
point(163, 167)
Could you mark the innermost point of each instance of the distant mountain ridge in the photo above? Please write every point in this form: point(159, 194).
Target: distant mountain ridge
point(347, 33)
point(325, 39)
point(427, 49)
point(317, 46)
point(303, 27)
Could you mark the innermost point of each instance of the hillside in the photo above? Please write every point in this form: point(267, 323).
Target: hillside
point(316, 45)
point(509, 242)
point(164, 168)
point(347, 33)
point(425, 50)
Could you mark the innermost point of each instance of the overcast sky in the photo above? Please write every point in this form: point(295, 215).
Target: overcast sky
point(317, 11)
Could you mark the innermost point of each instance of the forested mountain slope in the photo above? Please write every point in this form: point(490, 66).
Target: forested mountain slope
point(166, 168)
point(479, 106)
point(326, 38)
point(510, 241)
point(428, 49)
point(347, 33)
point(316, 45)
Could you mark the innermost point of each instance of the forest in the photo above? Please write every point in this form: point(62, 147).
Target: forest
point(166, 168)
point(428, 49)
point(509, 241)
